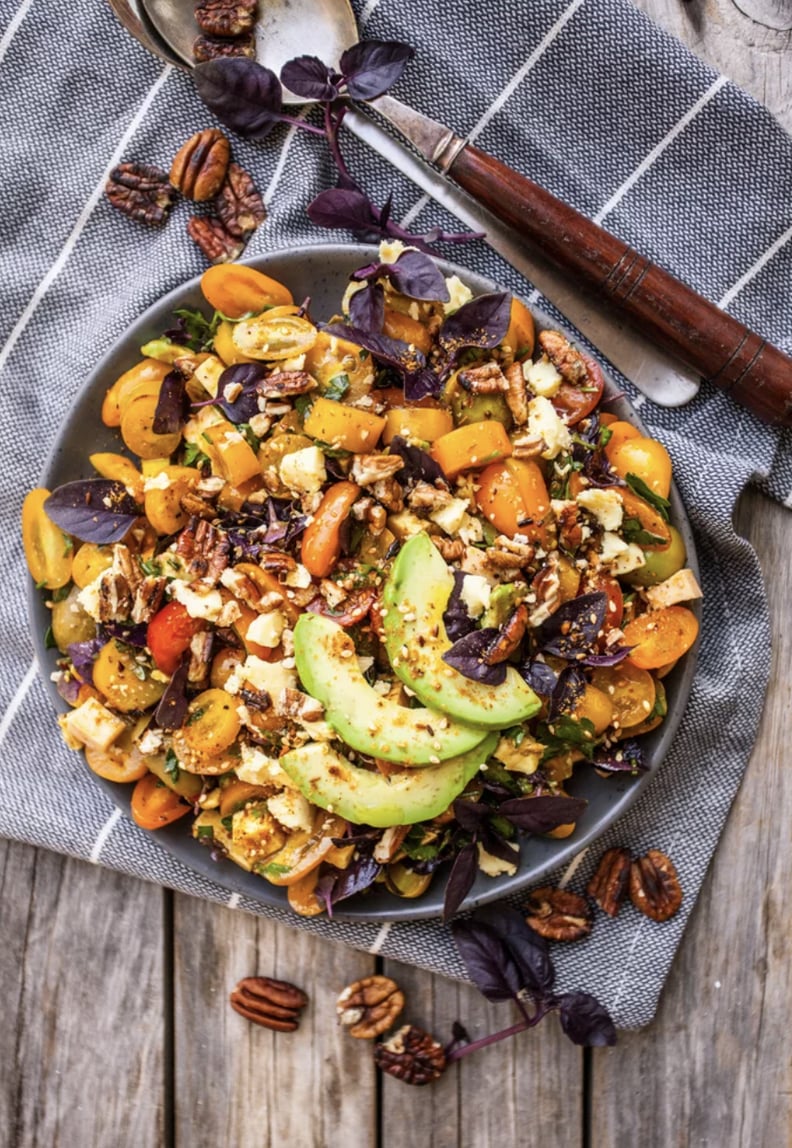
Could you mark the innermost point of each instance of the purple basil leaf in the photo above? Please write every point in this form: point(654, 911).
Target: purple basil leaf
point(69, 689)
point(169, 413)
point(624, 757)
point(131, 634)
point(358, 876)
point(367, 308)
point(419, 384)
point(416, 275)
point(585, 1021)
point(482, 322)
point(93, 510)
point(460, 879)
point(489, 962)
point(471, 815)
point(529, 951)
point(172, 709)
point(614, 655)
point(541, 814)
point(242, 94)
point(391, 351)
point(83, 656)
point(371, 67)
point(342, 207)
point(572, 630)
point(467, 656)
point(308, 77)
point(568, 690)
point(496, 844)
point(248, 375)
point(456, 619)
point(418, 465)
point(539, 677)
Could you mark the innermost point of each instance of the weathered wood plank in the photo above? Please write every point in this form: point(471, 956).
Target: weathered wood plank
point(82, 1034)
point(715, 1066)
point(237, 1083)
point(527, 1090)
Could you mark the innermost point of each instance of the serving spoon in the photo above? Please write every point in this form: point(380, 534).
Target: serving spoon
point(666, 311)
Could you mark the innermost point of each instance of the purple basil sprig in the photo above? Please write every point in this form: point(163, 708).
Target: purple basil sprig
point(83, 656)
point(367, 308)
point(419, 466)
point(457, 621)
point(247, 375)
point(623, 757)
point(481, 322)
point(508, 960)
point(336, 886)
point(468, 655)
point(413, 274)
point(171, 404)
point(372, 67)
point(172, 708)
point(571, 631)
point(93, 510)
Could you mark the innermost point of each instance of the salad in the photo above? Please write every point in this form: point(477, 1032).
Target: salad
point(357, 598)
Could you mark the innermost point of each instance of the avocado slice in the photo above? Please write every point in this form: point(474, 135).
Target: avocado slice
point(366, 721)
point(367, 798)
point(415, 597)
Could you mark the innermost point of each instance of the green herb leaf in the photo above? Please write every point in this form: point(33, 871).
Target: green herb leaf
point(633, 531)
point(195, 716)
point(49, 639)
point(252, 439)
point(605, 435)
point(302, 404)
point(193, 455)
point(563, 734)
point(204, 831)
point(273, 869)
point(61, 593)
point(172, 766)
point(639, 487)
point(200, 330)
point(336, 388)
point(151, 567)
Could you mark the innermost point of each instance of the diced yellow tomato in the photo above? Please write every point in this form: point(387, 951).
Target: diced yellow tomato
point(471, 447)
point(341, 426)
point(512, 495)
point(423, 423)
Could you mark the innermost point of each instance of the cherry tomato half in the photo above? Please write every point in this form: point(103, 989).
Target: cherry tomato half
point(154, 805)
point(321, 542)
point(573, 403)
point(169, 634)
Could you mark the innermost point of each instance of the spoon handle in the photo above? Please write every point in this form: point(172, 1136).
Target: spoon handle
point(756, 374)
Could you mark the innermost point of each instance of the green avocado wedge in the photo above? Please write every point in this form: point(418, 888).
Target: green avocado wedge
point(367, 798)
point(366, 721)
point(415, 597)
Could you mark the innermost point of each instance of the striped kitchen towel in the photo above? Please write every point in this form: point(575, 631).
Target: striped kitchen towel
point(588, 98)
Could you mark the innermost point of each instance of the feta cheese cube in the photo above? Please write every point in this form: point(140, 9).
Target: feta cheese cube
point(451, 516)
point(266, 629)
point(91, 724)
point(292, 810)
point(458, 294)
point(542, 377)
point(605, 505)
point(544, 423)
point(206, 605)
point(680, 587)
point(269, 676)
point(304, 470)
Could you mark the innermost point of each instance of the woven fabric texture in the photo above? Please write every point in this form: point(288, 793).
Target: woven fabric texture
point(577, 95)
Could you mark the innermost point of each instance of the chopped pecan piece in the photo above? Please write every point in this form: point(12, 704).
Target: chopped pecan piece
point(200, 655)
point(527, 446)
point(608, 886)
point(302, 707)
point(207, 48)
point(509, 553)
point(570, 529)
point(217, 244)
point(654, 886)
point(411, 1055)
point(369, 1007)
point(516, 395)
point(270, 1003)
point(281, 383)
point(424, 496)
point(390, 843)
point(196, 506)
point(200, 165)
point(225, 17)
point(451, 549)
point(205, 548)
point(511, 634)
point(115, 597)
point(546, 586)
point(558, 914)
point(141, 191)
point(389, 493)
point(487, 379)
point(368, 469)
point(568, 361)
point(238, 204)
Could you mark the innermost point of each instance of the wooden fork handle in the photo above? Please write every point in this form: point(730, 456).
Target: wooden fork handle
point(754, 372)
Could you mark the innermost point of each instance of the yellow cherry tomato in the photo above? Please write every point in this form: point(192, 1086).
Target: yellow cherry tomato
point(48, 551)
point(236, 290)
point(512, 495)
point(646, 458)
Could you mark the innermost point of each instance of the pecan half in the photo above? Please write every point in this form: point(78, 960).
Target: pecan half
point(451, 549)
point(200, 165)
point(368, 1007)
point(608, 886)
point(411, 1055)
point(509, 637)
point(225, 17)
point(654, 886)
point(516, 395)
point(509, 553)
point(389, 492)
point(270, 1003)
point(140, 191)
point(557, 914)
point(281, 383)
point(488, 379)
point(207, 48)
point(568, 361)
point(368, 469)
point(217, 244)
point(238, 204)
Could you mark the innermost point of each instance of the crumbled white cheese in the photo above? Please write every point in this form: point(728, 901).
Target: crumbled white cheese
point(542, 377)
point(475, 593)
point(151, 742)
point(620, 556)
point(458, 294)
point(493, 866)
point(391, 249)
point(544, 423)
point(206, 606)
point(270, 676)
point(605, 505)
point(365, 662)
point(88, 598)
point(91, 724)
point(256, 768)
point(471, 530)
point(292, 810)
point(299, 578)
point(266, 629)
point(295, 363)
point(159, 481)
point(304, 470)
point(451, 516)
point(611, 546)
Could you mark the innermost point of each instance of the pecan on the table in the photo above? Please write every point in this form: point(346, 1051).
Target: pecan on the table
point(608, 887)
point(411, 1055)
point(200, 165)
point(654, 886)
point(238, 203)
point(270, 1003)
point(225, 17)
point(207, 48)
point(369, 1007)
point(557, 914)
point(141, 191)
point(217, 244)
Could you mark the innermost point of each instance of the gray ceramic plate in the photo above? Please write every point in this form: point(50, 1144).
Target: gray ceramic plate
point(322, 273)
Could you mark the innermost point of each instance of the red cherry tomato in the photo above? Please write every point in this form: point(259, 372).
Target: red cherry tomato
point(169, 634)
point(574, 403)
point(614, 610)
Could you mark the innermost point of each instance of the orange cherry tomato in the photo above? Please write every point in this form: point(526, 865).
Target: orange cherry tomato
point(169, 634)
point(646, 458)
point(154, 805)
point(573, 402)
point(512, 492)
point(661, 636)
point(321, 542)
point(620, 432)
point(521, 333)
point(399, 326)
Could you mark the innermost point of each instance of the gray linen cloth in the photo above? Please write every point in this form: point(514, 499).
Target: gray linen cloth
point(606, 110)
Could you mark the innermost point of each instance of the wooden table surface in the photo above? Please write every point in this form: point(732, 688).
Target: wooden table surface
point(117, 1028)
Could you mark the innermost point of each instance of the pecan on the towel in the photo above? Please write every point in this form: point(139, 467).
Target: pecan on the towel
point(654, 886)
point(200, 165)
point(608, 887)
point(238, 204)
point(217, 244)
point(558, 914)
point(141, 191)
